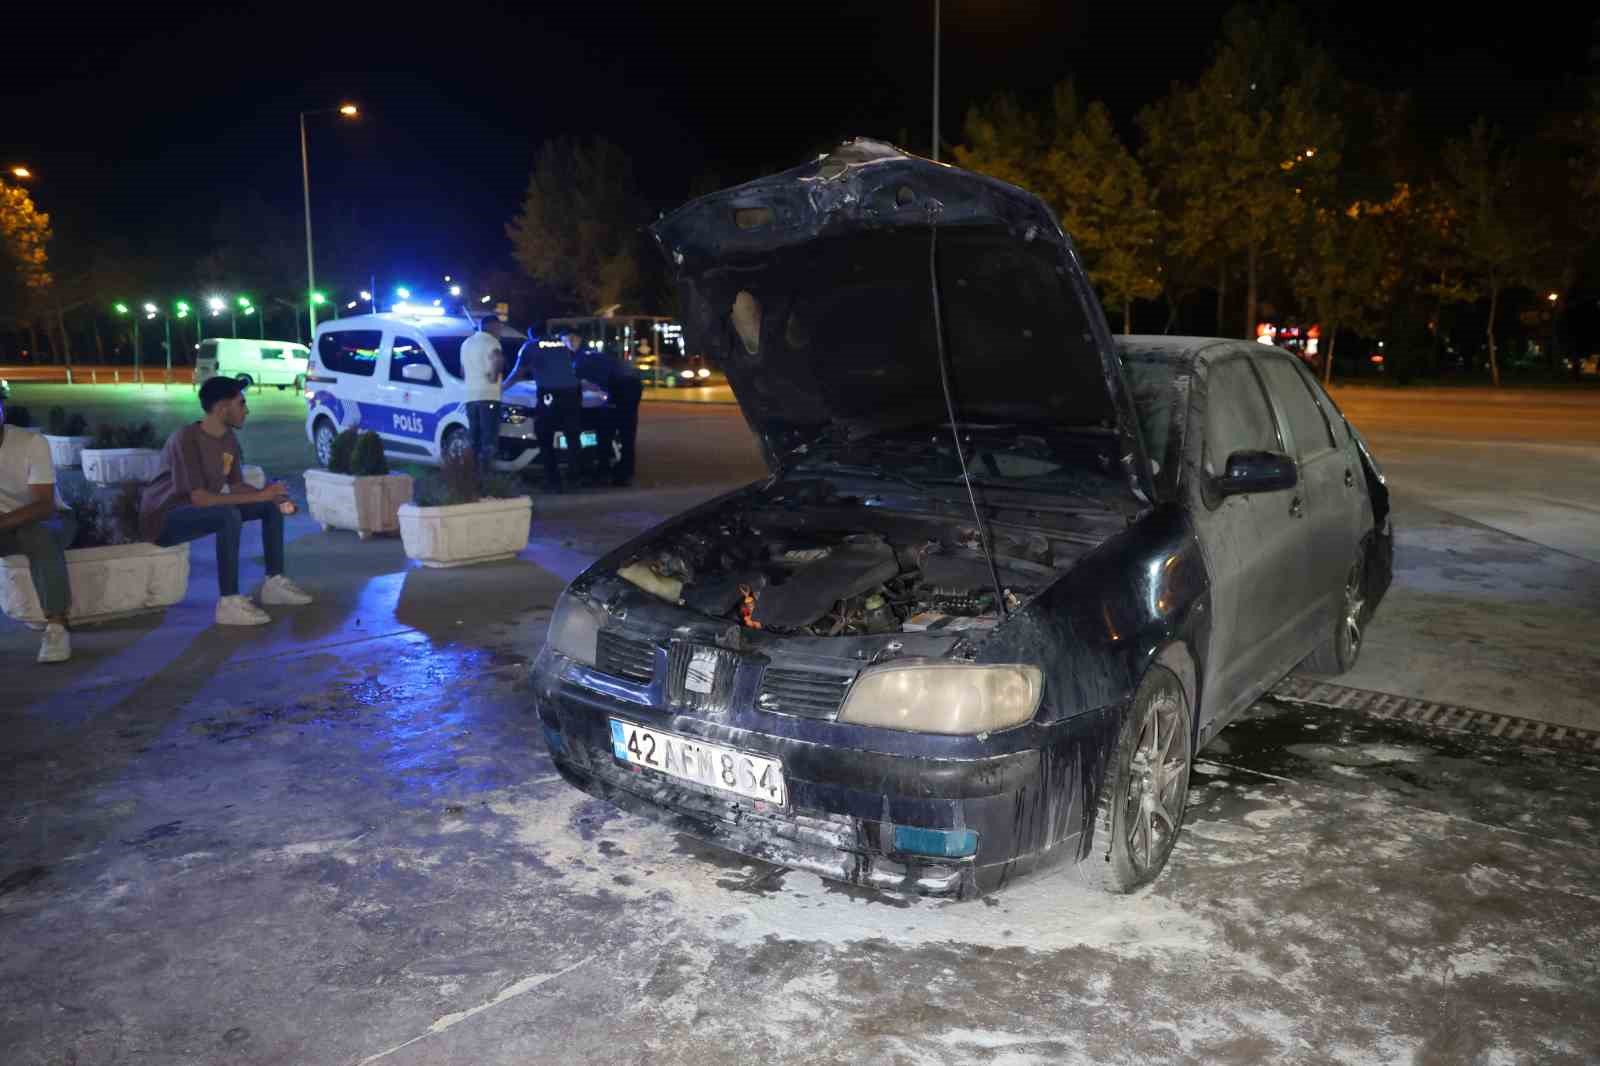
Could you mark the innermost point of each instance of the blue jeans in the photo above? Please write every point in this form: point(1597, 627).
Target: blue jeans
point(183, 524)
point(483, 431)
point(45, 544)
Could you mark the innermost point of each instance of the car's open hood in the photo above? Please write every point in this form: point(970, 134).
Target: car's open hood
point(811, 289)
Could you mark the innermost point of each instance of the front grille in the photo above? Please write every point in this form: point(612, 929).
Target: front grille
point(718, 663)
point(804, 693)
point(634, 660)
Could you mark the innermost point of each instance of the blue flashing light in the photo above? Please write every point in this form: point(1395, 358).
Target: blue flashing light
point(944, 843)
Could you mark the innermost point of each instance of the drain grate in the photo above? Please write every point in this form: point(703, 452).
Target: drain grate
point(1434, 715)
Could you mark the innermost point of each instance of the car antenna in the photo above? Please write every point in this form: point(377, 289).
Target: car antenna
point(984, 542)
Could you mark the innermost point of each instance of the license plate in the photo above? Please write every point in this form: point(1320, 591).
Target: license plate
point(586, 439)
point(725, 769)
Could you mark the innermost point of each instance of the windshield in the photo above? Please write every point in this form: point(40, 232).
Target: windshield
point(1160, 387)
point(1015, 457)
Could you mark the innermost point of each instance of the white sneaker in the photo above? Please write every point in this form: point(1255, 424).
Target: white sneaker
point(282, 592)
point(238, 611)
point(57, 645)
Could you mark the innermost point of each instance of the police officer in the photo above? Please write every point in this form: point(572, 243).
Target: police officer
point(560, 402)
point(621, 379)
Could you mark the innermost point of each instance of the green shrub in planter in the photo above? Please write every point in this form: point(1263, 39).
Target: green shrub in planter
point(60, 424)
point(368, 459)
point(459, 480)
point(107, 517)
point(342, 454)
point(110, 435)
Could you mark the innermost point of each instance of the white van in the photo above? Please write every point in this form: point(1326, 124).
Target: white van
point(253, 362)
point(400, 375)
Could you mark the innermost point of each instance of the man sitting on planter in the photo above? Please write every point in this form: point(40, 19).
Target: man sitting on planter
point(200, 491)
point(27, 514)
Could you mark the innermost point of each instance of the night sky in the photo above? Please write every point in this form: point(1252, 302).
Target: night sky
point(143, 121)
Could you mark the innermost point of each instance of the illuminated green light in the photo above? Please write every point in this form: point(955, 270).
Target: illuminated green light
point(122, 308)
point(244, 301)
point(183, 307)
point(318, 298)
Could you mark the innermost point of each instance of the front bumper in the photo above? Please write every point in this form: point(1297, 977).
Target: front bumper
point(844, 803)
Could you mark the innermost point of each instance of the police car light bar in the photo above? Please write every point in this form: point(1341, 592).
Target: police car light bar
point(417, 310)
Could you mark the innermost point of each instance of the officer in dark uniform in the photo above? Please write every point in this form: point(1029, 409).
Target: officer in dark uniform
point(560, 402)
point(621, 379)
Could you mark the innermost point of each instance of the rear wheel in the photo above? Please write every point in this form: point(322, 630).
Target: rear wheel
point(322, 440)
point(246, 380)
point(1342, 647)
point(1145, 789)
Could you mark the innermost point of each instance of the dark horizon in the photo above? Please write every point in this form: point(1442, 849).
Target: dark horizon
point(142, 127)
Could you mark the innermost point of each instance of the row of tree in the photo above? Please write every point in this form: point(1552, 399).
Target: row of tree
point(1272, 173)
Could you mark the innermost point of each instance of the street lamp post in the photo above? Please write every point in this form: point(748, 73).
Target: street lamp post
point(348, 111)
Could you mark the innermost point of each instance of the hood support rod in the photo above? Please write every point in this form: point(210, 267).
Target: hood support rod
point(984, 539)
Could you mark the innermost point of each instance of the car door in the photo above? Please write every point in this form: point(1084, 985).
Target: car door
point(1252, 542)
point(1327, 495)
point(411, 392)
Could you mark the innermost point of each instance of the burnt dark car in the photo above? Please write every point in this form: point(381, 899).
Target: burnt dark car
point(1007, 573)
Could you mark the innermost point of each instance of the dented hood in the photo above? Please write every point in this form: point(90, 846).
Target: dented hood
point(811, 289)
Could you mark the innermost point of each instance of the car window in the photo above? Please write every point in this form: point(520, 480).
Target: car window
point(448, 349)
point(350, 351)
point(1335, 416)
point(1237, 416)
point(272, 353)
point(1306, 424)
point(408, 351)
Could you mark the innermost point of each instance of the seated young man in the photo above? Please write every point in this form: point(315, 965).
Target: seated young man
point(187, 501)
point(27, 513)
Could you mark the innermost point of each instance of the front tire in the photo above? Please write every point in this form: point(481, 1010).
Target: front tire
point(246, 380)
point(455, 443)
point(1145, 789)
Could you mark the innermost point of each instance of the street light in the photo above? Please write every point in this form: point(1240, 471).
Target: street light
point(21, 172)
point(348, 111)
point(455, 290)
point(402, 292)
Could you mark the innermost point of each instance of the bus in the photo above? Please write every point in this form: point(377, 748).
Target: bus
point(653, 343)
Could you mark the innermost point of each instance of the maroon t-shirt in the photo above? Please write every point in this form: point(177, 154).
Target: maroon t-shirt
point(192, 459)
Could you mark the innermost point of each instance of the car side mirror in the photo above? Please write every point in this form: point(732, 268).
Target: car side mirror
point(1257, 472)
point(417, 372)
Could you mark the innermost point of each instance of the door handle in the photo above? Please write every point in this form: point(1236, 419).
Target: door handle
point(1349, 478)
point(1297, 508)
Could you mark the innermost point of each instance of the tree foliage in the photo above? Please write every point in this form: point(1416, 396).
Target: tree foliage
point(24, 259)
point(1074, 160)
point(578, 230)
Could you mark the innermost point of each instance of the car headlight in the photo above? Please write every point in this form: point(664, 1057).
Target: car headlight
point(942, 697)
point(575, 627)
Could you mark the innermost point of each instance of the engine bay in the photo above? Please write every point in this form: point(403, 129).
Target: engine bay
point(831, 567)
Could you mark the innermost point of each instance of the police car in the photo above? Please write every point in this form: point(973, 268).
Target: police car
point(399, 373)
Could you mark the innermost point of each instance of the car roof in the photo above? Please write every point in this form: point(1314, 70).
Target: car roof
point(441, 325)
point(1158, 347)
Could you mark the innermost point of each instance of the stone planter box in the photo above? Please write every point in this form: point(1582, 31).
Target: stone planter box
point(368, 504)
point(109, 466)
point(465, 532)
point(107, 583)
point(66, 451)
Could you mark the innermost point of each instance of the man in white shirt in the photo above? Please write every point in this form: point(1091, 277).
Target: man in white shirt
point(27, 503)
point(481, 364)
